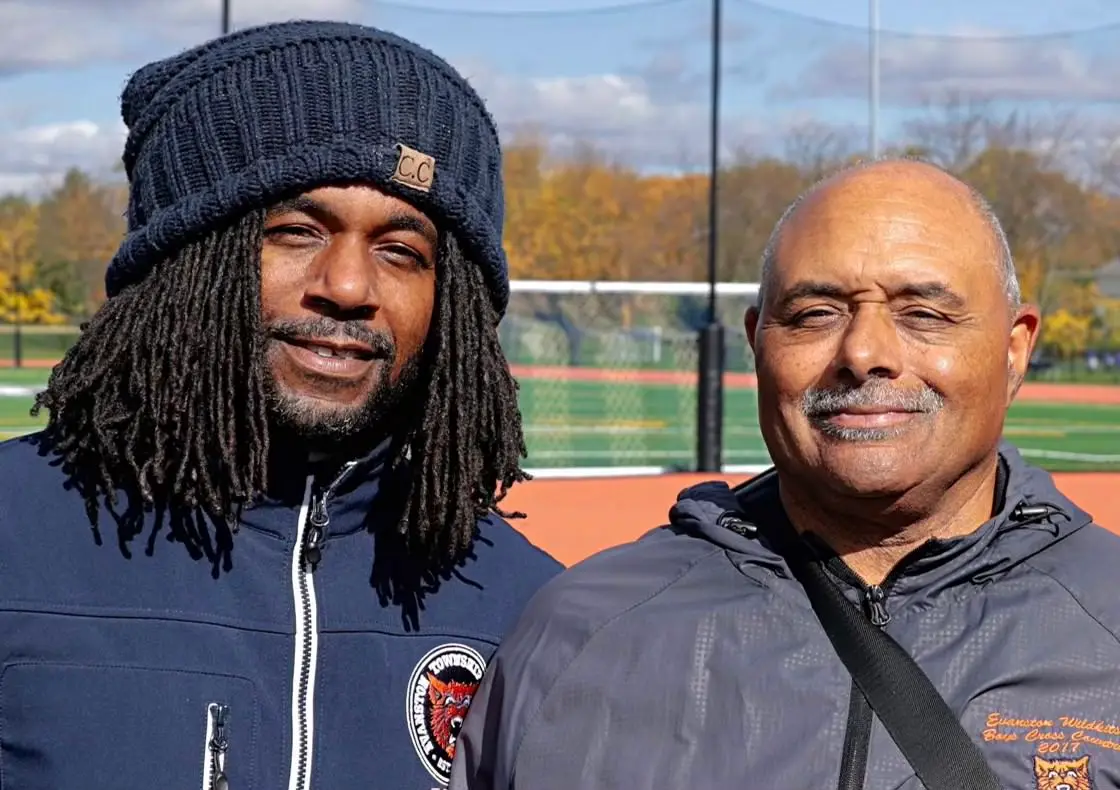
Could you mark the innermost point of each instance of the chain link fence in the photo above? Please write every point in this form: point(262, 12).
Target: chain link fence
point(609, 379)
point(604, 115)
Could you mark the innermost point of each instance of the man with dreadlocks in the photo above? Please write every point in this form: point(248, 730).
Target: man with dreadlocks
point(290, 427)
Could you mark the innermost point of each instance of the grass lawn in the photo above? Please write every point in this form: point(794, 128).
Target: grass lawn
point(629, 423)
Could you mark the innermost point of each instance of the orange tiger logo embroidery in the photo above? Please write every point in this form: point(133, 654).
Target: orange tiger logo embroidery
point(1062, 774)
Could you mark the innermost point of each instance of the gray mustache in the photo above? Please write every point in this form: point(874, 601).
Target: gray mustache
point(874, 394)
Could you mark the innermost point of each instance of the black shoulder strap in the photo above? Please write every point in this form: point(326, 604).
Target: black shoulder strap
point(917, 717)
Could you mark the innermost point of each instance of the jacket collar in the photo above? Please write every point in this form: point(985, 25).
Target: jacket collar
point(1029, 515)
point(357, 489)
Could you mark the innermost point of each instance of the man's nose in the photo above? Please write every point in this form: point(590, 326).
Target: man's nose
point(871, 347)
point(343, 280)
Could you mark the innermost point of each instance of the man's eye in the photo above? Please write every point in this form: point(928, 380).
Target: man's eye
point(816, 314)
point(401, 255)
point(923, 315)
point(289, 232)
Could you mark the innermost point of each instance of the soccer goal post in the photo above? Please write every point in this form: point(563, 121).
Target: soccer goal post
point(608, 375)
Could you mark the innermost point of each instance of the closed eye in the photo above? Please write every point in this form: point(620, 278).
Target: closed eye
point(813, 315)
point(924, 315)
point(290, 231)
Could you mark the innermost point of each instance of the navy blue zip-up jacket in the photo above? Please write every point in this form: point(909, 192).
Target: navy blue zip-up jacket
point(129, 663)
point(693, 659)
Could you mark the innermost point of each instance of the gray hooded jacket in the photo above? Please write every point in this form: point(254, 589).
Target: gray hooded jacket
point(692, 658)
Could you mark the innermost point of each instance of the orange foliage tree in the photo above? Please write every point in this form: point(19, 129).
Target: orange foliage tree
point(586, 217)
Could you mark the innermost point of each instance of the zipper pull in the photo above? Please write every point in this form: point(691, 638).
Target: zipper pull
point(219, 745)
point(1026, 513)
point(876, 600)
point(313, 535)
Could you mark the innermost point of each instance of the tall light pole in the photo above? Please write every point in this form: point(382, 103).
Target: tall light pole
point(709, 417)
point(225, 16)
point(873, 120)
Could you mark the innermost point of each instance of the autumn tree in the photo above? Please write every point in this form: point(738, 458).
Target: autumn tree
point(23, 300)
point(1066, 334)
point(1107, 328)
point(584, 216)
point(80, 228)
point(667, 239)
point(754, 191)
point(1058, 229)
point(951, 131)
point(1052, 225)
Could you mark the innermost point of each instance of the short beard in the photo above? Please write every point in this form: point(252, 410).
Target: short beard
point(306, 420)
point(303, 419)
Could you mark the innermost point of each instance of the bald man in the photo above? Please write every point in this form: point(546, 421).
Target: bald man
point(889, 341)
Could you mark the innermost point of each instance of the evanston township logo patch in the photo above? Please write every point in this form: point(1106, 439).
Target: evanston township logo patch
point(440, 691)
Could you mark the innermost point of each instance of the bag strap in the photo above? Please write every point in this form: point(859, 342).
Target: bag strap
point(924, 728)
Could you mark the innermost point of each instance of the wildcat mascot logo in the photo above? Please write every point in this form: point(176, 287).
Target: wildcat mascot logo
point(440, 691)
point(1062, 774)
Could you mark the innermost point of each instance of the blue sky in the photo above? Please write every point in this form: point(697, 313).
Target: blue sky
point(944, 16)
point(632, 81)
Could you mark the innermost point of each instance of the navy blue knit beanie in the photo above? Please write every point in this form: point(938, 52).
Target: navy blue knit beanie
point(255, 116)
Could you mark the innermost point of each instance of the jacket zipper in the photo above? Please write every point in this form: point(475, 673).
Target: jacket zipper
point(311, 532)
point(857, 737)
point(217, 746)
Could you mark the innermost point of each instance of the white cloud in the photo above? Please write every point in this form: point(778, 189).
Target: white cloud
point(653, 115)
point(41, 34)
point(623, 117)
point(252, 12)
point(917, 69)
point(631, 118)
point(37, 35)
point(34, 159)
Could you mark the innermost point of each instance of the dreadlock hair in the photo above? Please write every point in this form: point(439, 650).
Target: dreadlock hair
point(164, 394)
point(465, 447)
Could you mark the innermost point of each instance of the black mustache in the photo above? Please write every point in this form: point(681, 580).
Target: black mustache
point(321, 329)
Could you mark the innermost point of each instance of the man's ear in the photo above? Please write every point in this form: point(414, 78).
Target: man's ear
point(750, 323)
point(1024, 336)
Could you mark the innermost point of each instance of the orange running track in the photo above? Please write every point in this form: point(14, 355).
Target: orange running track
point(571, 519)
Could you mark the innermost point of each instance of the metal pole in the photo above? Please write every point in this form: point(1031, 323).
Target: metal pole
point(713, 183)
point(225, 16)
point(17, 336)
point(709, 418)
point(873, 13)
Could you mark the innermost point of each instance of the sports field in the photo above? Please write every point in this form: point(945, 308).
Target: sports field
point(588, 417)
point(585, 417)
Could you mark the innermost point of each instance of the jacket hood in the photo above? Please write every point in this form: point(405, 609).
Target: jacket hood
point(1032, 515)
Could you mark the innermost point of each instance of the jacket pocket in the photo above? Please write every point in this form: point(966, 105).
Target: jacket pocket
point(71, 726)
point(216, 747)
